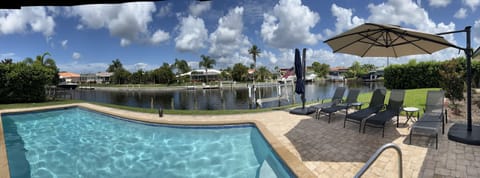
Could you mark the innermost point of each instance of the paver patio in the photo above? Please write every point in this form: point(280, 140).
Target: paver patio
point(329, 150)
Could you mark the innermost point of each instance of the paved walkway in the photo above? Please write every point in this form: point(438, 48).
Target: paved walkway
point(329, 150)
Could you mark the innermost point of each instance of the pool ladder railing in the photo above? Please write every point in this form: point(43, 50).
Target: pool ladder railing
point(377, 154)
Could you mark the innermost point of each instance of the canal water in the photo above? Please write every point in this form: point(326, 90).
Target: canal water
point(217, 99)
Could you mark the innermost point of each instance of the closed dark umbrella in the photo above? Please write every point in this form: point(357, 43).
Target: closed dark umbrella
point(300, 85)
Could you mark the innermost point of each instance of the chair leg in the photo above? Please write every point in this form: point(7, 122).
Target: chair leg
point(436, 141)
point(383, 132)
point(329, 117)
point(410, 139)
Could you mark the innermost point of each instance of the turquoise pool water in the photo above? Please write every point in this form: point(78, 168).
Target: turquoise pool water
point(76, 142)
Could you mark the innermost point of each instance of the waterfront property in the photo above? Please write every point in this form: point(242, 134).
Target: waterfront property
point(200, 75)
point(329, 150)
point(100, 77)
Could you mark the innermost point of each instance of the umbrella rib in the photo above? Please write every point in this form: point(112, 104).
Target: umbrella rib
point(359, 40)
point(411, 42)
point(370, 47)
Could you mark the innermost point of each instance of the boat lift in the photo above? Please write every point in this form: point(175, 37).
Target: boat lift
point(282, 93)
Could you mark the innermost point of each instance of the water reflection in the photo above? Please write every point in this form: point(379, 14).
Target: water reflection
point(216, 99)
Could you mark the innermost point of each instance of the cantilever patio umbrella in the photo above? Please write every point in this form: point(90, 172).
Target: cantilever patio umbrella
point(377, 40)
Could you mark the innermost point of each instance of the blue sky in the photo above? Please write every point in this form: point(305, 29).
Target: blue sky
point(144, 35)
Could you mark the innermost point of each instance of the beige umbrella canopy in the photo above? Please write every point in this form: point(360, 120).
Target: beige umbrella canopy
point(378, 40)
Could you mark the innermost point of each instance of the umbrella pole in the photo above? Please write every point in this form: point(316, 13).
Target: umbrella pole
point(304, 56)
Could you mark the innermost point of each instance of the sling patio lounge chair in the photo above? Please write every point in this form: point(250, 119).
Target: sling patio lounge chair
point(337, 98)
point(394, 107)
point(433, 118)
point(351, 98)
point(376, 104)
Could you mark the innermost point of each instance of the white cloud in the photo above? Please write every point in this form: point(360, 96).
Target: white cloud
point(165, 10)
point(197, 8)
point(193, 34)
point(64, 43)
point(83, 68)
point(344, 20)
point(137, 66)
point(289, 24)
point(471, 3)
point(76, 55)
point(26, 19)
point(476, 33)
point(228, 40)
point(461, 13)
point(408, 13)
point(128, 21)
point(439, 3)
point(6, 55)
point(159, 36)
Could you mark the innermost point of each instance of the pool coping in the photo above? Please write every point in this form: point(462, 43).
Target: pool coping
point(294, 163)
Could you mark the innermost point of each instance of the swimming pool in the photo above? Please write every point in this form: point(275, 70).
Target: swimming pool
point(77, 142)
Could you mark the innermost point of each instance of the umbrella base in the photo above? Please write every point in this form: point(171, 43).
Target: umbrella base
point(459, 133)
point(303, 111)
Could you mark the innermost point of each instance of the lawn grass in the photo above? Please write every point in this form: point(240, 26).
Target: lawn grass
point(413, 98)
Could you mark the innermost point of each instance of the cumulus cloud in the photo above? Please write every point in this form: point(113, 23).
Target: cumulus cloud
point(165, 10)
point(344, 20)
point(408, 13)
point(228, 40)
point(137, 66)
point(197, 8)
point(83, 67)
point(27, 19)
point(471, 3)
point(439, 3)
point(128, 21)
point(159, 36)
point(193, 34)
point(76, 55)
point(476, 32)
point(64, 43)
point(289, 24)
point(461, 13)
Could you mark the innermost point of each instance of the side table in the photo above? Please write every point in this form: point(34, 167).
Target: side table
point(410, 112)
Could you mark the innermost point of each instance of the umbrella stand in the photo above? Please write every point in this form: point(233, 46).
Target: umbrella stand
point(302, 110)
point(466, 133)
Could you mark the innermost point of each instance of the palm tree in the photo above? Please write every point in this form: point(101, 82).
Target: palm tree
point(116, 64)
point(208, 63)
point(254, 51)
point(181, 66)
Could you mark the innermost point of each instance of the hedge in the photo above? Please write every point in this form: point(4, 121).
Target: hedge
point(424, 74)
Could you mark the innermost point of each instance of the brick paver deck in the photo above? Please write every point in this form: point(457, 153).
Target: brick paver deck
point(329, 150)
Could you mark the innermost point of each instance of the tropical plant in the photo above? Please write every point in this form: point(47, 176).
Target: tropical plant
point(181, 66)
point(164, 74)
point(254, 51)
point(116, 64)
point(263, 74)
point(45, 62)
point(208, 63)
point(239, 72)
point(452, 82)
point(320, 69)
